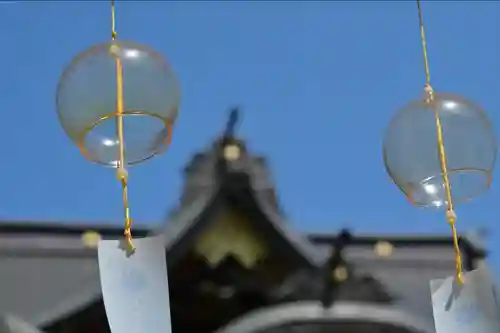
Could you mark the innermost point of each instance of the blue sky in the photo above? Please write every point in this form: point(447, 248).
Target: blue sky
point(317, 81)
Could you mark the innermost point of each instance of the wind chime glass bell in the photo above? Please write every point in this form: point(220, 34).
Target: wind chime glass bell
point(411, 152)
point(87, 95)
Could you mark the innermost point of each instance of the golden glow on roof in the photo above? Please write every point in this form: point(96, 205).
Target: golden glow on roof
point(340, 274)
point(90, 239)
point(232, 152)
point(383, 249)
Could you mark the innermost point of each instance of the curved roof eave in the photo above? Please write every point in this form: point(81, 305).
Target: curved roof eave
point(308, 312)
point(315, 255)
point(173, 233)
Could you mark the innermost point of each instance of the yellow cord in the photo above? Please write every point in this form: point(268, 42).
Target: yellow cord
point(113, 20)
point(450, 213)
point(121, 171)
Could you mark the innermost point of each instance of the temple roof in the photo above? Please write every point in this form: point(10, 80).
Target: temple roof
point(228, 171)
point(48, 272)
point(226, 156)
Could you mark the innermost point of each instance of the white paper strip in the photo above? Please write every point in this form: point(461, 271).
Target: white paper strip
point(469, 308)
point(135, 288)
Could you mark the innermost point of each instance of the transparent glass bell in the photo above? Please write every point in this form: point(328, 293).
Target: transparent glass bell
point(411, 152)
point(86, 102)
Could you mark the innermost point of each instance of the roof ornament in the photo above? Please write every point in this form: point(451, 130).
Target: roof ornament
point(231, 151)
point(232, 122)
point(336, 272)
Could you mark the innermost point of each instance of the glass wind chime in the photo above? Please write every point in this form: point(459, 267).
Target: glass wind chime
point(118, 101)
point(440, 150)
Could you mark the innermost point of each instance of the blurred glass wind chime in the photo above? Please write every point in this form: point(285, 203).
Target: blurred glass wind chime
point(440, 150)
point(118, 101)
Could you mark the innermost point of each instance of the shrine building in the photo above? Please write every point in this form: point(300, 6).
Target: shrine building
point(235, 264)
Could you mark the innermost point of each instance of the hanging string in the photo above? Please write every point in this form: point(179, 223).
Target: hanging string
point(113, 21)
point(450, 213)
point(121, 171)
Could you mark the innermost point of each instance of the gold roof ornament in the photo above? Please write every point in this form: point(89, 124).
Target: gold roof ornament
point(231, 234)
point(340, 274)
point(383, 249)
point(231, 152)
point(91, 239)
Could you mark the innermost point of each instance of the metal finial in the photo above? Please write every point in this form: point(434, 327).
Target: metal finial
point(336, 260)
point(343, 238)
point(234, 116)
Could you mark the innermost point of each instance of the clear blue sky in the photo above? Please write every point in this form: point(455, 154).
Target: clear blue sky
point(318, 83)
